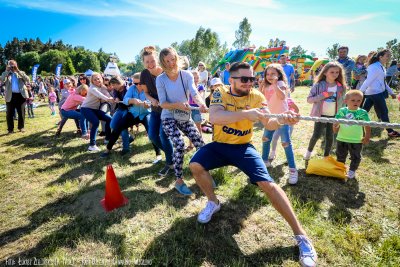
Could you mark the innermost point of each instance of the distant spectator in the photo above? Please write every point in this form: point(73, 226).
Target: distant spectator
point(347, 63)
point(225, 74)
point(16, 94)
point(203, 73)
point(289, 71)
point(360, 71)
point(391, 73)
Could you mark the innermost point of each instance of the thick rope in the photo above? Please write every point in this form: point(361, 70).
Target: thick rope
point(373, 124)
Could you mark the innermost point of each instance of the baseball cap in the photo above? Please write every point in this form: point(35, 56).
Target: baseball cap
point(66, 81)
point(215, 81)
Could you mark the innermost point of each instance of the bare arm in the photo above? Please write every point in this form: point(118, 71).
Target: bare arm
point(219, 116)
point(153, 101)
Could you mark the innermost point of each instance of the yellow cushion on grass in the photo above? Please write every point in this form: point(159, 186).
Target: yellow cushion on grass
point(327, 166)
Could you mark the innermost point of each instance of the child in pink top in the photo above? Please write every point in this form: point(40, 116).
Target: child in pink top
point(52, 100)
point(275, 90)
point(69, 110)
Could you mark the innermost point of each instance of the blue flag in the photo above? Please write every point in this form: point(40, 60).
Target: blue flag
point(58, 70)
point(34, 72)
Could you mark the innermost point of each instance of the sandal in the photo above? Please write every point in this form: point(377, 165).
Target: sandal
point(394, 134)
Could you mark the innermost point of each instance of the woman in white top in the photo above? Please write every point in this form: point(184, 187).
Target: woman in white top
point(90, 109)
point(375, 86)
point(203, 74)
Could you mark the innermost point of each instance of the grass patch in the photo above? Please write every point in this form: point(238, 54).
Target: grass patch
point(52, 188)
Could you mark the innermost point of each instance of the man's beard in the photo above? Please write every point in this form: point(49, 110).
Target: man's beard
point(242, 93)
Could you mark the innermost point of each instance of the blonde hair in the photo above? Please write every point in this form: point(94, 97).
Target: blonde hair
point(165, 52)
point(95, 74)
point(136, 76)
point(202, 63)
point(334, 64)
point(81, 88)
point(352, 92)
point(279, 69)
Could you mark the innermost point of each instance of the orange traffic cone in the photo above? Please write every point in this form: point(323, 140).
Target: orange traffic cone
point(113, 198)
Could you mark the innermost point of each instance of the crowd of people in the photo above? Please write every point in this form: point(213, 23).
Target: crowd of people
point(171, 101)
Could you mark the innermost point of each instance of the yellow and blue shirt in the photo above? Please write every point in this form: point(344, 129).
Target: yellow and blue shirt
point(239, 132)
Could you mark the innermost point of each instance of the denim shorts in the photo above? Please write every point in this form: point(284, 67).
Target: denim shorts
point(196, 116)
point(245, 157)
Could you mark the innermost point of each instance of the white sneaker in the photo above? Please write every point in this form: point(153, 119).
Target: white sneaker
point(351, 174)
point(308, 255)
point(93, 148)
point(293, 176)
point(206, 214)
point(307, 155)
point(157, 160)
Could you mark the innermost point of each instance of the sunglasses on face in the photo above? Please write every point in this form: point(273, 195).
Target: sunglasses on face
point(245, 79)
point(137, 83)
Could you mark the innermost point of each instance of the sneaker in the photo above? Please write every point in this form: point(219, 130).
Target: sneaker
point(308, 255)
point(293, 176)
point(102, 134)
point(10, 132)
point(307, 155)
point(267, 164)
point(105, 154)
point(183, 189)
point(351, 174)
point(157, 160)
point(93, 148)
point(125, 151)
point(394, 134)
point(22, 130)
point(165, 171)
point(206, 214)
point(85, 136)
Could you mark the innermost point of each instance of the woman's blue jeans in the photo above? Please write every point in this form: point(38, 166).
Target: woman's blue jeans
point(158, 137)
point(73, 114)
point(94, 116)
point(284, 132)
point(124, 134)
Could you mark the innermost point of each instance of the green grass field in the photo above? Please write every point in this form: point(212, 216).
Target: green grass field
point(51, 189)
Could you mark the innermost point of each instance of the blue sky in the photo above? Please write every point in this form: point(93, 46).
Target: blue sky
point(125, 26)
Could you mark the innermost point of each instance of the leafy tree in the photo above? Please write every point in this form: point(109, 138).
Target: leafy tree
point(50, 59)
point(332, 52)
point(297, 51)
point(27, 60)
point(103, 58)
point(242, 35)
point(84, 60)
point(394, 47)
point(201, 48)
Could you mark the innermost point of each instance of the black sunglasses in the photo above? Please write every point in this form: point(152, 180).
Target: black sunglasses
point(245, 79)
point(137, 83)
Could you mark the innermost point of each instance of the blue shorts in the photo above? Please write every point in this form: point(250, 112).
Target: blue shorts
point(245, 157)
point(196, 116)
